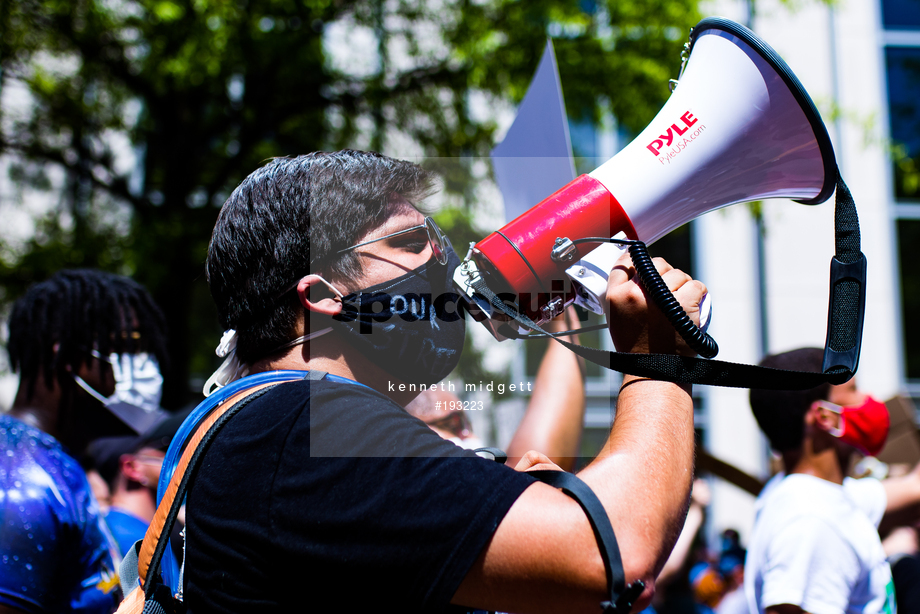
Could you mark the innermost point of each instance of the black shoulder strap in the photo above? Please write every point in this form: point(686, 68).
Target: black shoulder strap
point(846, 312)
point(622, 596)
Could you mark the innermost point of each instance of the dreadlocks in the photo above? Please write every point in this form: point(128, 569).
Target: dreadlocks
point(56, 324)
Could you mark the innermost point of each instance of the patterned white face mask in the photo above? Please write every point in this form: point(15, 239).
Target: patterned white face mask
point(138, 388)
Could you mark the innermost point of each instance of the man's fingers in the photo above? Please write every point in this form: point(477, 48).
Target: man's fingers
point(534, 460)
point(693, 289)
point(622, 271)
point(690, 296)
point(675, 278)
point(662, 265)
point(635, 325)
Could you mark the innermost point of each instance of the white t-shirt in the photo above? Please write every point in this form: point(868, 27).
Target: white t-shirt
point(815, 545)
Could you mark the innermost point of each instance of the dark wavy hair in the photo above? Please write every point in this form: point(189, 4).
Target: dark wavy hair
point(780, 413)
point(288, 219)
point(58, 322)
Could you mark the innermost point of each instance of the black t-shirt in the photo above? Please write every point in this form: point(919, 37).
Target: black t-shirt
point(329, 497)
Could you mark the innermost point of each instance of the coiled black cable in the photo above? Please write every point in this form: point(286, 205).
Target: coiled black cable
point(700, 342)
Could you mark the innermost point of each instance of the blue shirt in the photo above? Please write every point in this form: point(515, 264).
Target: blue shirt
point(56, 554)
point(126, 528)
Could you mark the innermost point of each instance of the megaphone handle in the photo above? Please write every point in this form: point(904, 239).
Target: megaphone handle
point(700, 342)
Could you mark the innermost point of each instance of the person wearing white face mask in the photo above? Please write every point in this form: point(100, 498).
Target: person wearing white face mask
point(138, 388)
point(87, 346)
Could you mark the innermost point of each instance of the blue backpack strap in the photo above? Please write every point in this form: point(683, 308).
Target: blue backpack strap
point(158, 594)
point(207, 406)
point(622, 596)
point(169, 567)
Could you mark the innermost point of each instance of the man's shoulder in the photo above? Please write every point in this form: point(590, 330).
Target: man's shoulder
point(811, 547)
point(311, 392)
point(50, 515)
point(325, 418)
point(117, 518)
point(805, 512)
point(869, 496)
point(126, 528)
point(18, 438)
point(293, 402)
point(35, 466)
point(804, 492)
point(799, 506)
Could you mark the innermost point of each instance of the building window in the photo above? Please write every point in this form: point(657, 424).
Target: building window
point(901, 40)
point(903, 73)
point(900, 14)
point(908, 238)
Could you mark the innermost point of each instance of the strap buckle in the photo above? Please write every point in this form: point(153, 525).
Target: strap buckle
point(626, 600)
point(842, 326)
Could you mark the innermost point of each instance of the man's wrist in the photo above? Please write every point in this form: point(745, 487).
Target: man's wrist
point(630, 380)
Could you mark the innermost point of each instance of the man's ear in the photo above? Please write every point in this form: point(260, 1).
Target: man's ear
point(823, 418)
point(329, 305)
point(811, 416)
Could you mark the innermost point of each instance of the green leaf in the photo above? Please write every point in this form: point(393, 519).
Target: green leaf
point(168, 11)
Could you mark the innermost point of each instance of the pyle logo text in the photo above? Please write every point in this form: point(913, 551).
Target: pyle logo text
point(674, 130)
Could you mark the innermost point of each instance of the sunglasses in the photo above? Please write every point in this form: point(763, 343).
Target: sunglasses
point(436, 239)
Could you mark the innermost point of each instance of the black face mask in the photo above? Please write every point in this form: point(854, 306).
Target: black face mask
point(411, 326)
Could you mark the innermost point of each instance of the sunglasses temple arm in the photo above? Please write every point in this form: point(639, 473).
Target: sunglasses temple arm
point(395, 234)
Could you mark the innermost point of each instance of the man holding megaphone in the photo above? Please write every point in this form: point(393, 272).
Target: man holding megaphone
point(327, 474)
point(342, 301)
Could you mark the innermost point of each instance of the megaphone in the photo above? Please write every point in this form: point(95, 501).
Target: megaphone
point(738, 127)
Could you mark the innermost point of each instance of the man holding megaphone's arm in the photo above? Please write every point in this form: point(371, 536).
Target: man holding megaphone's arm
point(642, 476)
point(326, 477)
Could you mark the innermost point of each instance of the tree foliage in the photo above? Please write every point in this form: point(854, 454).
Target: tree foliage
point(195, 94)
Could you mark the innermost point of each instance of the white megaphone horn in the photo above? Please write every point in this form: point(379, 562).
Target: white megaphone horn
point(738, 127)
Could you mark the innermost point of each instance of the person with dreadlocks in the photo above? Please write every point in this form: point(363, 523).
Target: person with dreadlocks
point(87, 347)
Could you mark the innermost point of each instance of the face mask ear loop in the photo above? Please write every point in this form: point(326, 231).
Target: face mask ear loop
point(315, 334)
point(319, 277)
point(231, 369)
point(835, 431)
point(330, 286)
point(89, 389)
